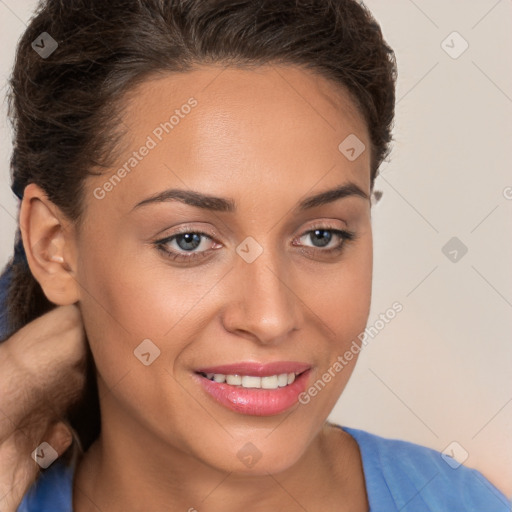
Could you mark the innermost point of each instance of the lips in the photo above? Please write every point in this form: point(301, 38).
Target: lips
point(255, 401)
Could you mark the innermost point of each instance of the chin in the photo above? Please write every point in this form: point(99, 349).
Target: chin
point(258, 459)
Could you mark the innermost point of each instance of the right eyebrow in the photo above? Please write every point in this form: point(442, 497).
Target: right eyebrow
point(191, 198)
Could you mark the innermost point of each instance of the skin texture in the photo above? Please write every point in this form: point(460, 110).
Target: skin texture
point(266, 138)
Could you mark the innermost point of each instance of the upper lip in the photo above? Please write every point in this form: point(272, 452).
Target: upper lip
point(257, 369)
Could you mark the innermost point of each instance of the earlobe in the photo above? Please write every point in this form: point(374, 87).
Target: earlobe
point(48, 241)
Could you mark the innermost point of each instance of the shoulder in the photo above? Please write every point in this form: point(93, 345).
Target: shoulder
point(51, 491)
point(408, 476)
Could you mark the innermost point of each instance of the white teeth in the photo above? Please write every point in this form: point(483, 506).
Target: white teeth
point(250, 381)
point(282, 380)
point(269, 382)
point(234, 380)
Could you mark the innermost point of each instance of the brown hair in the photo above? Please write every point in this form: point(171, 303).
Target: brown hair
point(65, 107)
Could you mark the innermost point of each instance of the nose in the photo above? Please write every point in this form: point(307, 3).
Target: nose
point(264, 304)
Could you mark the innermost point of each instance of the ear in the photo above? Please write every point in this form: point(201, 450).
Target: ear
point(49, 243)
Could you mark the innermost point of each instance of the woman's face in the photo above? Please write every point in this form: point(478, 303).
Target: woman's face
point(252, 282)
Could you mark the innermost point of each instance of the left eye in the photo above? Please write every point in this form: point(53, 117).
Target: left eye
point(325, 236)
point(189, 241)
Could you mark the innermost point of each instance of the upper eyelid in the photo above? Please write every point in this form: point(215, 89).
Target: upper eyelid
point(213, 238)
point(325, 224)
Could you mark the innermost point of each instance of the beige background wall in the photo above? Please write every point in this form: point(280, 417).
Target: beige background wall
point(440, 371)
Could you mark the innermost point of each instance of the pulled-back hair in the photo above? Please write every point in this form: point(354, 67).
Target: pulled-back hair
point(65, 107)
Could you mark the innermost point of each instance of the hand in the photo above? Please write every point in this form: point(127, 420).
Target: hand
point(42, 373)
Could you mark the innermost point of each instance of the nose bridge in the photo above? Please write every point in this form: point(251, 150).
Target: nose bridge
point(263, 302)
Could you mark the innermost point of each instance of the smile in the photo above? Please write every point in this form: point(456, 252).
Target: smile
point(255, 395)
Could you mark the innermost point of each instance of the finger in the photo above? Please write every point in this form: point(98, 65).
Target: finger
point(59, 436)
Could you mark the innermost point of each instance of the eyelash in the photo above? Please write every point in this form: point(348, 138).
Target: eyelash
point(346, 237)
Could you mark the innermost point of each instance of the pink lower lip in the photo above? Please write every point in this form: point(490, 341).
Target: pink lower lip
point(255, 401)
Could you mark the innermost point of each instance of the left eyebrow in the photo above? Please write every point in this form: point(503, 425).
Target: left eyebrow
point(221, 204)
point(328, 196)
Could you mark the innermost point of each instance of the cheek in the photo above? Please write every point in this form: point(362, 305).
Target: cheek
point(341, 294)
point(342, 300)
point(128, 300)
point(120, 309)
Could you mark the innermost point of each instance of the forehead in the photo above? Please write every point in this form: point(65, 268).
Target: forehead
point(278, 94)
point(218, 128)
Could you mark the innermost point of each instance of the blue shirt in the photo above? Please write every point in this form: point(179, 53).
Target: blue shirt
point(400, 476)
